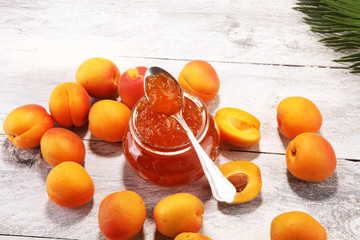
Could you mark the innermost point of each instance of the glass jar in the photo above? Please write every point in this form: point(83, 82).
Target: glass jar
point(158, 149)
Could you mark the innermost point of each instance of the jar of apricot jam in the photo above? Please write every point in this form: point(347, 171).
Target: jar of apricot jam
point(158, 149)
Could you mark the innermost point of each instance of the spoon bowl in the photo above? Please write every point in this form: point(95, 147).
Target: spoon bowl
point(222, 190)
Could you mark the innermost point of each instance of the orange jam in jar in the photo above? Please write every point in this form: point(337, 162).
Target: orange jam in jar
point(158, 149)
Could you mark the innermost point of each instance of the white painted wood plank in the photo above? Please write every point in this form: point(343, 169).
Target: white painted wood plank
point(268, 32)
point(26, 209)
point(256, 89)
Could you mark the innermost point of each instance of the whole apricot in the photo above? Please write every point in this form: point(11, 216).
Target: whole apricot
point(177, 213)
point(297, 115)
point(200, 77)
point(131, 85)
point(99, 76)
point(108, 120)
point(69, 104)
point(69, 185)
point(60, 145)
point(191, 236)
point(25, 125)
point(245, 176)
point(238, 127)
point(310, 157)
point(121, 215)
point(296, 225)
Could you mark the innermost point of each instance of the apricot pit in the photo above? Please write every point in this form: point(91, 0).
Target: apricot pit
point(245, 176)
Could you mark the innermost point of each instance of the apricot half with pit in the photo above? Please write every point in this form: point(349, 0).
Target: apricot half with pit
point(238, 127)
point(245, 176)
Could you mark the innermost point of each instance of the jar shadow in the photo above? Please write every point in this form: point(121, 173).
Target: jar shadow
point(152, 193)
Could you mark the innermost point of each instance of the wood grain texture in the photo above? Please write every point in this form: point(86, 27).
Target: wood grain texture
point(26, 209)
point(262, 52)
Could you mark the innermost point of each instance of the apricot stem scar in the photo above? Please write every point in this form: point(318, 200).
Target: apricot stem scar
point(293, 152)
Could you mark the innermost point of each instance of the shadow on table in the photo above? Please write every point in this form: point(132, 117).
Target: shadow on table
point(30, 159)
point(243, 208)
point(66, 217)
point(103, 148)
point(314, 191)
point(285, 141)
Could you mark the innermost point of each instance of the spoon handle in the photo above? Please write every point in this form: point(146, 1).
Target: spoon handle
point(222, 190)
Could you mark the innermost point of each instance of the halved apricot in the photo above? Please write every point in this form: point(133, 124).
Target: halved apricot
point(238, 127)
point(245, 176)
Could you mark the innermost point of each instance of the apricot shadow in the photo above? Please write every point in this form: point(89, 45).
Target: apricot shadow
point(101, 236)
point(285, 141)
point(30, 159)
point(80, 131)
point(103, 148)
point(242, 208)
point(314, 191)
point(64, 216)
point(159, 236)
point(214, 104)
point(248, 154)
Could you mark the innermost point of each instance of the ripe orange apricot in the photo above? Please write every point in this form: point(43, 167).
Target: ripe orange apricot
point(177, 213)
point(131, 85)
point(60, 145)
point(99, 76)
point(69, 185)
point(25, 125)
point(200, 77)
point(121, 215)
point(296, 225)
point(108, 120)
point(191, 236)
point(69, 104)
point(297, 115)
point(238, 127)
point(245, 176)
point(310, 157)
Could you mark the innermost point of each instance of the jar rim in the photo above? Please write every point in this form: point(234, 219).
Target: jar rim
point(170, 150)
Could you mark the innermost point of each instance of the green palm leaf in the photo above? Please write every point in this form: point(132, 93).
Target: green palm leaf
point(339, 22)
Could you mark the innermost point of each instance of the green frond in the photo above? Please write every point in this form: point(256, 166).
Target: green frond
point(339, 22)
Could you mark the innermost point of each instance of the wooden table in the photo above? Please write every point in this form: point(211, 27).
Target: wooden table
point(262, 52)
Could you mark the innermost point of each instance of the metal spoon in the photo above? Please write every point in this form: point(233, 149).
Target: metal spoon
point(222, 190)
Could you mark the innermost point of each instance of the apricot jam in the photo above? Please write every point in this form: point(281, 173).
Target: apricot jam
point(164, 94)
point(158, 149)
